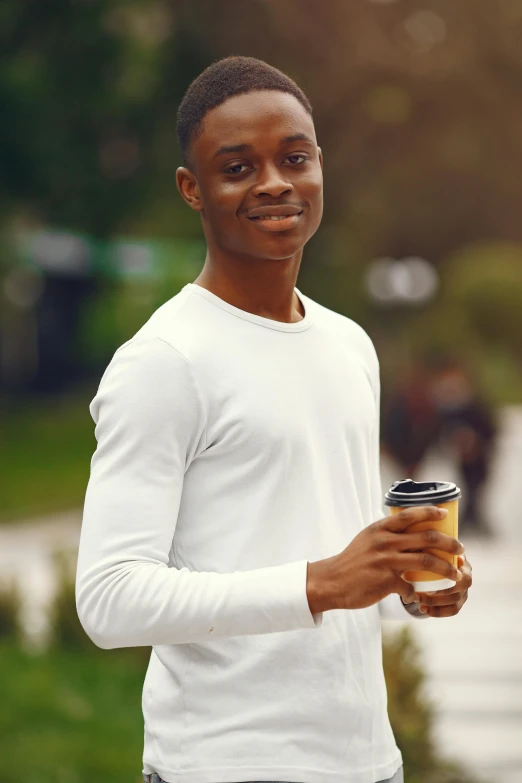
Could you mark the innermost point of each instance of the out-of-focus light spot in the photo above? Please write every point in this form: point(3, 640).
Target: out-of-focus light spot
point(426, 29)
point(60, 252)
point(134, 259)
point(410, 280)
point(400, 282)
point(23, 288)
point(423, 279)
point(377, 279)
point(119, 157)
point(388, 104)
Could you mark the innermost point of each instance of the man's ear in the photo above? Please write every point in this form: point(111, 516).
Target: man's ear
point(320, 157)
point(189, 188)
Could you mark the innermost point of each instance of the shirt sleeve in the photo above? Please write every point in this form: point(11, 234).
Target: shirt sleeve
point(391, 607)
point(150, 424)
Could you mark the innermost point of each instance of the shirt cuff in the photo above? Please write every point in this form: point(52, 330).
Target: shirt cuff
point(308, 619)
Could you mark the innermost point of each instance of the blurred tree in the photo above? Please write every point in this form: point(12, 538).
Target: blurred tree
point(417, 111)
point(82, 90)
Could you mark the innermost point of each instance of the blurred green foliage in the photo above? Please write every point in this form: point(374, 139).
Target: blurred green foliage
point(71, 712)
point(46, 451)
point(412, 716)
point(66, 632)
point(70, 717)
point(10, 613)
point(89, 93)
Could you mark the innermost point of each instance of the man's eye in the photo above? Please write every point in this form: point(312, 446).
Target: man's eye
point(297, 156)
point(235, 169)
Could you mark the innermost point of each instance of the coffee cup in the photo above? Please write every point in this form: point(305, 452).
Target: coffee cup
point(407, 493)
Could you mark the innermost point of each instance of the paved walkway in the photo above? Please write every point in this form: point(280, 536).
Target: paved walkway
point(474, 660)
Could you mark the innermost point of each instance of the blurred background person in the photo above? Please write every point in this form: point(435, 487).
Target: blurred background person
point(436, 404)
point(467, 427)
point(410, 424)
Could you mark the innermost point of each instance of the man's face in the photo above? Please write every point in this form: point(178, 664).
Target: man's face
point(256, 157)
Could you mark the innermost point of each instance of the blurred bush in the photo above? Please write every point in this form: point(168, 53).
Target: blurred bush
point(72, 712)
point(66, 632)
point(10, 613)
point(412, 716)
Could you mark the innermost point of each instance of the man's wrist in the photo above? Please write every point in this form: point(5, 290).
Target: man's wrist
point(318, 589)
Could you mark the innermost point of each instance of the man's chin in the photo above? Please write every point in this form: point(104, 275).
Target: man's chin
point(278, 248)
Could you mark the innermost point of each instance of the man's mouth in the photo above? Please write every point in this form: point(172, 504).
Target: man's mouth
point(273, 217)
point(277, 223)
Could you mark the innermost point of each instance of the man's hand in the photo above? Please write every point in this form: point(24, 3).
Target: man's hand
point(449, 602)
point(371, 566)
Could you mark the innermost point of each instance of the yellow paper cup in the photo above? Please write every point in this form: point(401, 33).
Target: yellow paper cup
point(444, 494)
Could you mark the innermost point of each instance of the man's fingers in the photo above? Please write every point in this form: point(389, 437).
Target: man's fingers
point(441, 600)
point(411, 542)
point(465, 566)
point(424, 561)
point(444, 611)
point(405, 590)
point(409, 516)
point(448, 596)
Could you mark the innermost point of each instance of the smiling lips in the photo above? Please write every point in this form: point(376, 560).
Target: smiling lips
point(276, 218)
point(274, 212)
point(270, 217)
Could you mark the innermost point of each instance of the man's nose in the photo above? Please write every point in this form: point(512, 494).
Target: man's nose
point(271, 181)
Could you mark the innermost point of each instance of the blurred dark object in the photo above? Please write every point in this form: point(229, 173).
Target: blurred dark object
point(438, 404)
point(410, 424)
point(57, 319)
point(469, 430)
point(39, 331)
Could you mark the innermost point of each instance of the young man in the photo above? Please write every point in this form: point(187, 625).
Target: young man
point(234, 499)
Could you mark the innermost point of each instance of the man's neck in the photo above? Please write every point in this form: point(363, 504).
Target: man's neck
point(281, 305)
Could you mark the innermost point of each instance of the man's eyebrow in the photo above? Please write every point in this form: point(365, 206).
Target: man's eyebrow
point(235, 148)
point(296, 137)
point(226, 150)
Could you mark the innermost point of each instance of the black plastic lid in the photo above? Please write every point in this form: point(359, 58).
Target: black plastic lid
point(420, 493)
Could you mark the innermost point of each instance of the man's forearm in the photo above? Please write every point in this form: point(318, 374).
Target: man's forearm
point(318, 587)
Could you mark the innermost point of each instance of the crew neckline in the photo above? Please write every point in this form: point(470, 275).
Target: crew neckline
point(269, 323)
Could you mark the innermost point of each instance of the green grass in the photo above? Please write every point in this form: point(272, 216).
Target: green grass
point(46, 451)
point(71, 717)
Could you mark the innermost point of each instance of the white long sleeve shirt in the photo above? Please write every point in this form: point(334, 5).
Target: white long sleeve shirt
point(231, 450)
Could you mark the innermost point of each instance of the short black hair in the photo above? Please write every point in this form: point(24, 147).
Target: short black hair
point(229, 76)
